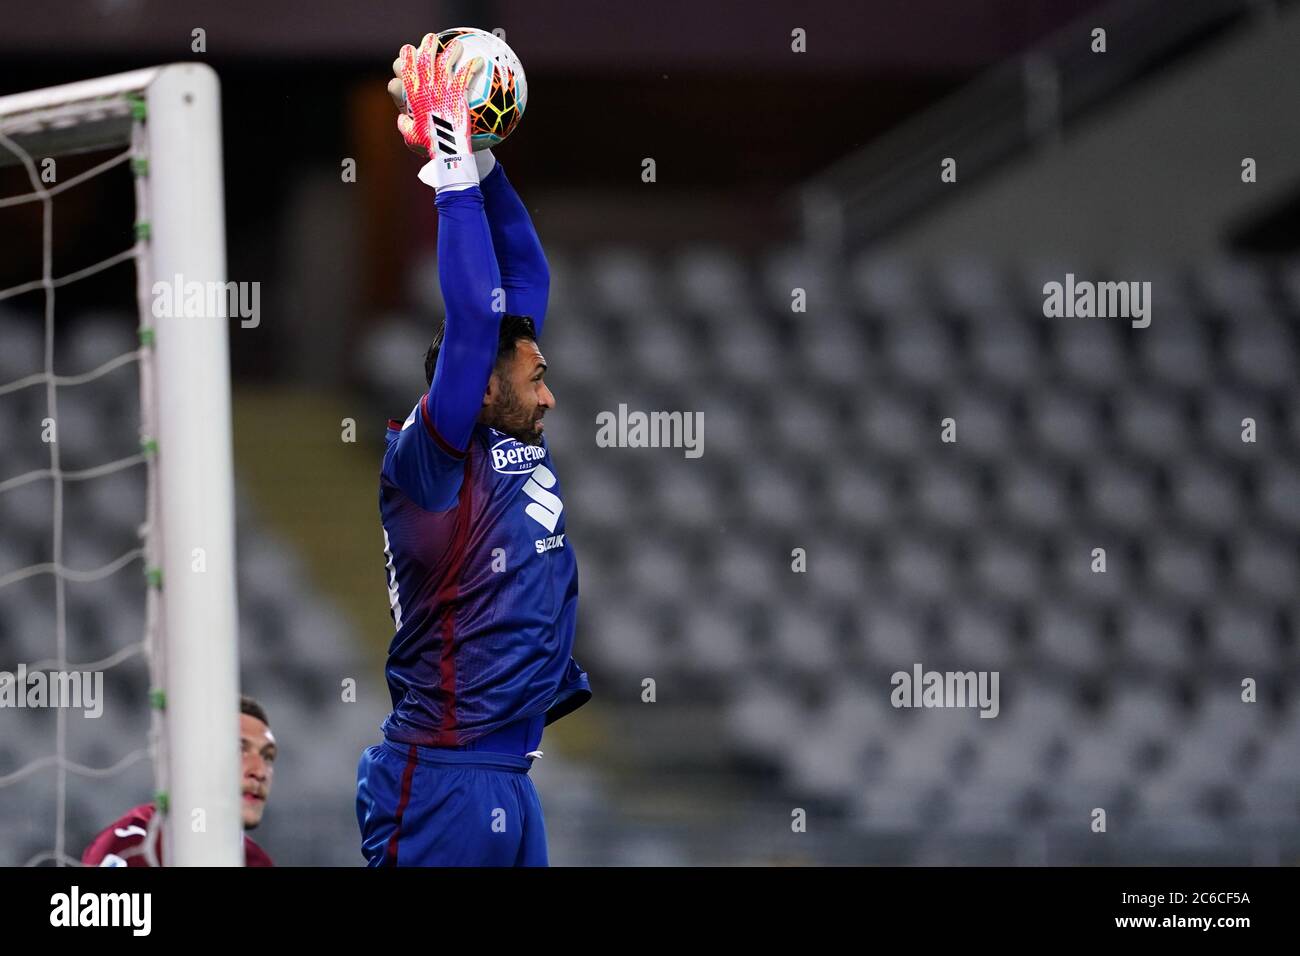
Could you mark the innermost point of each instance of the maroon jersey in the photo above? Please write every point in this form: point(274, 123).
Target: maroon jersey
point(122, 844)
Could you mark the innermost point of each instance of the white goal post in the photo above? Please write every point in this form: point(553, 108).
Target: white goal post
point(173, 115)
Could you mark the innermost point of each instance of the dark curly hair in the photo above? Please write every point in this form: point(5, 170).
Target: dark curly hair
point(513, 328)
point(252, 708)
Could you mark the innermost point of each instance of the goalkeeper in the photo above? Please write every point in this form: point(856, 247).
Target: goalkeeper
point(482, 579)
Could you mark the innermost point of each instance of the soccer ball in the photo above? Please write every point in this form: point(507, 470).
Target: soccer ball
point(498, 94)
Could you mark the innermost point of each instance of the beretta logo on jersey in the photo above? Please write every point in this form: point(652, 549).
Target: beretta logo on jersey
point(510, 456)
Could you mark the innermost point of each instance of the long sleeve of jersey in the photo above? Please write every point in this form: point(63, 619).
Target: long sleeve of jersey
point(525, 275)
point(469, 276)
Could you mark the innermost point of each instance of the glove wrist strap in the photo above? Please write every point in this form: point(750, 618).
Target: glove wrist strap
point(451, 164)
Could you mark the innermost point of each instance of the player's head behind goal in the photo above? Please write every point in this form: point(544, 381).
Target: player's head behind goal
point(257, 749)
point(516, 397)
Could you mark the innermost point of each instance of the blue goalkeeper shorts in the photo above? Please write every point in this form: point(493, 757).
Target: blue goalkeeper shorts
point(437, 806)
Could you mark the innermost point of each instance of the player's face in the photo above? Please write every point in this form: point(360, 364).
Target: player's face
point(258, 748)
point(517, 397)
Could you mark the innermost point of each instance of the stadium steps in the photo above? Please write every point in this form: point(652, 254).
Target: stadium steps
point(1194, 118)
point(320, 494)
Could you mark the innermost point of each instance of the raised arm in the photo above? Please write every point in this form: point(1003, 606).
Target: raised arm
point(468, 274)
point(437, 124)
point(525, 275)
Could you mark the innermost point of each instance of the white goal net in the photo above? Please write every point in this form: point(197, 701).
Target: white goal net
point(163, 125)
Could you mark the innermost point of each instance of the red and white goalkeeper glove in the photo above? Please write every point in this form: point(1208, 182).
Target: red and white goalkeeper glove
point(436, 120)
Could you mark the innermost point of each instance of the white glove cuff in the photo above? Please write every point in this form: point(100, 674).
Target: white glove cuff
point(449, 172)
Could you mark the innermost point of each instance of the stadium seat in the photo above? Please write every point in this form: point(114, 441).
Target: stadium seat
point(894, 426)
point(1151, 424)
point(24, 351)
point(1074, 555)
point(893, 632)
point(1183, 566)
point(920, 351)
point(1066, 421)
point(806, 638)
point(622, 281)
point(1034, 494)
point(1266, 565)
point(1176, 352)
point(1153, 635)
point(1091, 353)
point(1007, 566)
point(745, 568)
point(1279, 493)
point(885, 285)
point(979, 636)
point(1207, 496)
point(974, 287)
point(715, 638)
point(986, 427)
point(832, 354)
point(1122, 494)
point(1068, 636)
point(947, 496)
point(922, 568)
point(1242, 635)
point(712, 280)
point(857, 497)
point(802, 427)
point(670, 356)
point(763, 721)
point(1261, 352)
point(788, 268)
point(837, 570)
point(1005, 353)
point(93, 339)
point(1233, 286)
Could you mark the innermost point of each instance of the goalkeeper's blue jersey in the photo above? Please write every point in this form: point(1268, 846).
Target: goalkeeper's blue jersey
point(482, 584)
point(482, 579)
